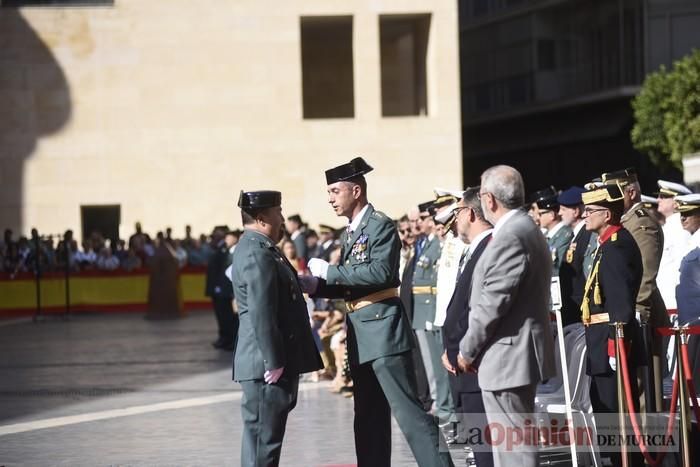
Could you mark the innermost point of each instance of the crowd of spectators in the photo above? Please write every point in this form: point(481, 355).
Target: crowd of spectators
point(59, 252)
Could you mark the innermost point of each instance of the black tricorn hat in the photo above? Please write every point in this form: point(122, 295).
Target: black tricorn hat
point(295, 218)
point(425, 207)
point(620, 177)
point(259, 199)
point(352, 169)
point(548, 192)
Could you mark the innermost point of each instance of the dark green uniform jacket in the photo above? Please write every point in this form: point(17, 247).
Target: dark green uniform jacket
point(425, 275)
point(558, 244)
point(274, 327)
point(369, 264)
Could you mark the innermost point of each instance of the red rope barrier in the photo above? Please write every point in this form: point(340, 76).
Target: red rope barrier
point(689, 379)
point(633, 413)
point(671, 331)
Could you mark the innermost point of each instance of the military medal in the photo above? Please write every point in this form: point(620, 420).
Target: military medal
point(570, 253)
point(360, 247)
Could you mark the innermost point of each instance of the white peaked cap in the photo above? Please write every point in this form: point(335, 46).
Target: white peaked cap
point(672, 188)
point(444, 192)
point(444, 215)
point(649, 199)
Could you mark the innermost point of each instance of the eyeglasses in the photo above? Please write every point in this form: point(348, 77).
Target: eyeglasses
point(482, 193)
point(459, 209)
point(592, 210)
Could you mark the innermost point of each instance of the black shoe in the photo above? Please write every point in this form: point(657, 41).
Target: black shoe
point(218, 343)
point(228, 346)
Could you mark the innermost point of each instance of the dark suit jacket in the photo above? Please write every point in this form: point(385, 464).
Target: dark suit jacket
point(620, 275)
point(572, 278)
point(216, 273)
point(457, 319)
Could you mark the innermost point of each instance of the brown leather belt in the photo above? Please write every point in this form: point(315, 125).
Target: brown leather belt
point(375, 297)
point(424, 289)
point(598, 318)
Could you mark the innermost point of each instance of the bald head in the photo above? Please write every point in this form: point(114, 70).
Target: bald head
point(506, 185)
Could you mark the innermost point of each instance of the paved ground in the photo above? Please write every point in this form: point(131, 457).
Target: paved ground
point(119, 390)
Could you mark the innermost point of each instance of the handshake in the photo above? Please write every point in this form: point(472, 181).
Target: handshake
point(319, 270)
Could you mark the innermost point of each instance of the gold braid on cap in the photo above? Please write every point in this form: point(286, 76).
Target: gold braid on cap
point(606, 194)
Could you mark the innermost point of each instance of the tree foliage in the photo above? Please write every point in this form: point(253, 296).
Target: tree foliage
point(667, 113)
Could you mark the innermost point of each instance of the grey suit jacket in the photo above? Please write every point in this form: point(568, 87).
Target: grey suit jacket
point(509, 334)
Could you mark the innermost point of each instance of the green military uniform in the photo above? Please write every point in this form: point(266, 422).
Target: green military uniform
point(273, 333)
point(424, 282)
point(548, 202)
point(558, 245)
point(430, 338)
point(379, 338)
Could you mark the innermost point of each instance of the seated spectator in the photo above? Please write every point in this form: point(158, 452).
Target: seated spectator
point(86, 258)
point(195, 256)
point(312, 246)
point(205, 248)
point(290, 252)
point(121, 252)
point(11, 259)
point(106, 261)
point(132, 261)
point(23, 252)
point(67, 252)
point(149, 249)
point(180, 253)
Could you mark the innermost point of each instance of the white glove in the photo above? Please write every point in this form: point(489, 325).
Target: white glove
point(318, 267)
point(612, 363)
point(308, 284)
point(272, 376)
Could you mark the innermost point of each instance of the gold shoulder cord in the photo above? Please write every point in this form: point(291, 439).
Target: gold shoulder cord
point(597, 298)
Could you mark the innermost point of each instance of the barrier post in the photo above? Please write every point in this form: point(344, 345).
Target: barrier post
point(648, 379)
point(685, 425)
point(556, 307)
point(37, 273)
point(620, 334)
point(66, 248)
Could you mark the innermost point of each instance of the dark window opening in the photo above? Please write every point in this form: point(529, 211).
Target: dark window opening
point(403, 49)
point(327, 67)
point(102, 219)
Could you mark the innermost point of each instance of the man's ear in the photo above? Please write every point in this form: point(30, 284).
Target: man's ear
point(356, 191)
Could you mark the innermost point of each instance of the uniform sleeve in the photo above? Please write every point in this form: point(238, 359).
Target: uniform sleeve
point(383, 251)
point(492, 301)
point(618, 285)
point(262, 290)
point(562, 247)
point(650, 241)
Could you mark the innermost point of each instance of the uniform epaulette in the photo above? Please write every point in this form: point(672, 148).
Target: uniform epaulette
point(641, 213)
point(380, 215)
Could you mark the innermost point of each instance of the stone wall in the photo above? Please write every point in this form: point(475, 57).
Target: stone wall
point(169, 107)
